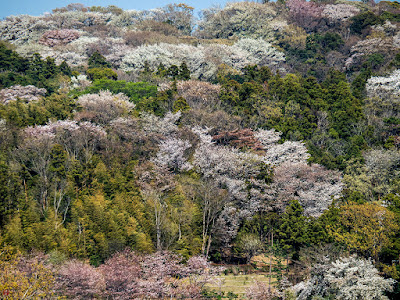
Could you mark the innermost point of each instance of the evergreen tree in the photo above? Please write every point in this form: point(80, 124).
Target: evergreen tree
point(293, 229)
point(96, 60)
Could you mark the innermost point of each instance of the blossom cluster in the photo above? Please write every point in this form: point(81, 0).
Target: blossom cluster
point(26, 93)
point(58, 37)
point(385, 87)
point(203, 61)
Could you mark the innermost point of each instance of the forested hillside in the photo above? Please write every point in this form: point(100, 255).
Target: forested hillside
point(145, 153)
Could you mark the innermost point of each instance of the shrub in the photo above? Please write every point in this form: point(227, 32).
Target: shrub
point(134, 90)
point(101, 73)
point(58, 37)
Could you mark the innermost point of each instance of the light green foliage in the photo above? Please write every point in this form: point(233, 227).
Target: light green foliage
point(365, 228)
point(101, 73)
point(136, 91)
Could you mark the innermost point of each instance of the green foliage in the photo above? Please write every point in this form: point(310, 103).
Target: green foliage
point(59, 106)
point(11, 60)
point(292, 231)
point(5, 209)
point(109, 9)
point(184, 72)
point(180, 104)
point(344, 108)
point(136, 91)
point(174, 72)
point(323, 43)
point(396, 61)
point(365, 228)
point(101, 73)
point(363, 20)
point(20, 114)
point(96, 60)
point(358, 84)
point(36, 71)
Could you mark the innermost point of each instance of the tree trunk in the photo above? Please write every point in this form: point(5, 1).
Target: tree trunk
point(208, 246)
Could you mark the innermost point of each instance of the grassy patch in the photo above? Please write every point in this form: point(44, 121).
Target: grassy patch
point(238, 283)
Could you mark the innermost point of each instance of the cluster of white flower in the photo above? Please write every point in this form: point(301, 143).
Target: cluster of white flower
point(24, 29)
point(58, 37)
point(103, 107)
point(289, 151)
point(171, 154)
point(384, 87)
point(203, 60)
point(356, 278)
point(164, 126)
point(231, 168)
point(339, 12)
point(79, 19)
point(28, 49)
point(373, 45)
point(80, 82)
point(240, 19)
point(199, 93)
point(348, 278)
point(78, 139)
point(370, 46)
point(267, 137)
point(261, 52)
point(26, 93)
point(312, 185)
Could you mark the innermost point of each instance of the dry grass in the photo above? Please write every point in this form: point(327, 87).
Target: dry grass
point(238, 283)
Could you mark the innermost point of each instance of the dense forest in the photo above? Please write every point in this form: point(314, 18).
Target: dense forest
point(152, 154)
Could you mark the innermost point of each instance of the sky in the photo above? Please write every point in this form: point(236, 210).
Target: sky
point(38, 7)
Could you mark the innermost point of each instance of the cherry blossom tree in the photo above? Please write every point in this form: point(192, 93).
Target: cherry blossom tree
point(312, 185)
point(35, 152)
point(287, 152)
point(121, 274)
point(339, 12)
point(199, 94)
point(172, 154)
point(232, 169)
point(238, 19)
point(101, 108)
point(58, 37)
point(79, 280)
point(385, 87)
point(261, 52)
point(24, 29)
point(80, 82)
point(305, 13)
point(27, 93)
point(203, 61)
point(357, 278)
point(78, 139)
point(164, 126)
point(259, 290)
point(346, 278)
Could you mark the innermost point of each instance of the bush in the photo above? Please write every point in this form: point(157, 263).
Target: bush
point(361, 21)
point(134, 90)
point(101, 73)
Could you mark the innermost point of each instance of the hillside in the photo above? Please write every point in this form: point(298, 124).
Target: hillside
point(139, 149)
